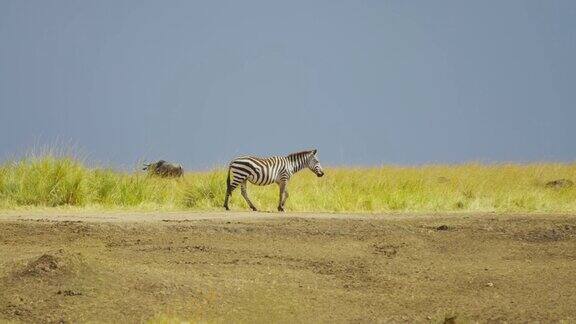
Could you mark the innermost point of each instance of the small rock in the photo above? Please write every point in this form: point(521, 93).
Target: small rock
point(450, 320)
point(442, 228)
point(559, 183)
point(69, 292)
point(490, 284)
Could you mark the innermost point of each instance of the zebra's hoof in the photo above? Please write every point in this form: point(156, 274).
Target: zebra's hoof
point(280, 209)
point(226, 207)
point(253, 208)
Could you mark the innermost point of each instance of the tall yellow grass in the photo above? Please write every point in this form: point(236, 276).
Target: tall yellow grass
point(49, 181)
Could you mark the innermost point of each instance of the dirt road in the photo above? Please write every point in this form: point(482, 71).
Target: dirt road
point(256, 267)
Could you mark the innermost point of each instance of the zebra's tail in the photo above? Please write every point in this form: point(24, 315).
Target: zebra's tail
point(228, 180)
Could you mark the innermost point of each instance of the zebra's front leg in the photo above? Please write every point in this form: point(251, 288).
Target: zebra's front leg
point(245, 195)
point(283, 196)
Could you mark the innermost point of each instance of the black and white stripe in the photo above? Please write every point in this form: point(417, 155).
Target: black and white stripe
point(265, 171)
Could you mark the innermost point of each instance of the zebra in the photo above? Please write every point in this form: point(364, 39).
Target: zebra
point(265, 171)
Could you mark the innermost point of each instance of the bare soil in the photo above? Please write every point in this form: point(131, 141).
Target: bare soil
point(258, 267)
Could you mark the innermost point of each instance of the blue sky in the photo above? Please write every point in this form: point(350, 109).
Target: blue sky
point(365, 82)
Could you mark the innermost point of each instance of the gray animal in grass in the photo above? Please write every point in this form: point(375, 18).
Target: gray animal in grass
point(164, 169)
point(265, 171)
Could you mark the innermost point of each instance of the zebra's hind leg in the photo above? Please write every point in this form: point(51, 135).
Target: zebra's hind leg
point(228, 193)
point(229, 188)
point(245, 195)
point(283, 196)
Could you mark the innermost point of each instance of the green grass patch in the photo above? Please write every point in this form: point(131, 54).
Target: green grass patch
point(50, 181)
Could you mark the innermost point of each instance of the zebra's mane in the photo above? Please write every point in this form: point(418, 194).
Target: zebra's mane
point(301, 153)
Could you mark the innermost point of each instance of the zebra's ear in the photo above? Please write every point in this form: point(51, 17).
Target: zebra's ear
point(314, 151)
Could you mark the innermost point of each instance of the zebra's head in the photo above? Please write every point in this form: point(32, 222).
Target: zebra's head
point(314, 164)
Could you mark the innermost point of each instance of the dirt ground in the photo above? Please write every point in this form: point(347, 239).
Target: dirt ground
point(257, 267)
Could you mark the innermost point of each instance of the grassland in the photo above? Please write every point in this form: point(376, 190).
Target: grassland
point(64, 182)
